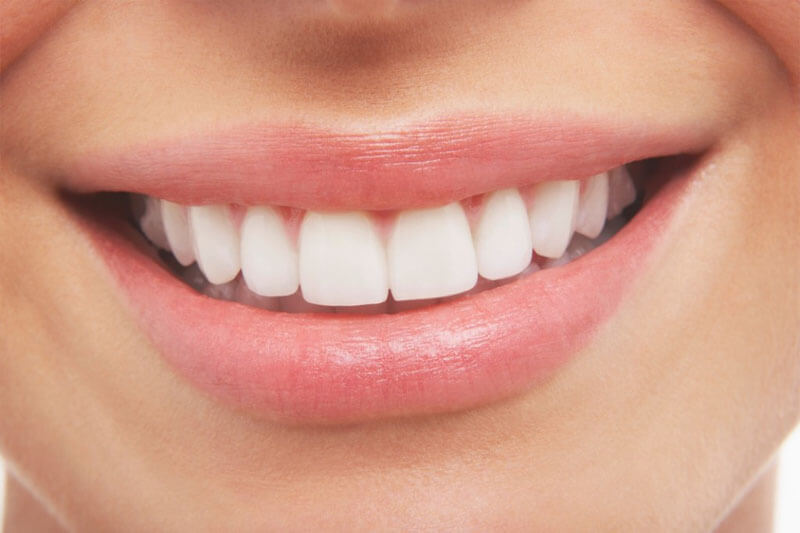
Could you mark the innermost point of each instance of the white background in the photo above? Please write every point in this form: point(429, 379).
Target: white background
point(788, 504)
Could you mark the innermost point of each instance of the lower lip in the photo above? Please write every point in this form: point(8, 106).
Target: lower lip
point(305, 368)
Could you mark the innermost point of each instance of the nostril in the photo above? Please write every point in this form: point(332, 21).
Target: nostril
point(363, 8)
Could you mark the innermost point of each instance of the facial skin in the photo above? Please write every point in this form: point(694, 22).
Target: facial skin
point(663, 422)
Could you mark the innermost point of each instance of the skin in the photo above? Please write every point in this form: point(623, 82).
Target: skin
point(667, 421)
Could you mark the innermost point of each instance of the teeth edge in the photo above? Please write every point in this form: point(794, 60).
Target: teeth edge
point(428, 254)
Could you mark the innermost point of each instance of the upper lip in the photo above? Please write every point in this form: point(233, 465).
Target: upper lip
point(415, 165)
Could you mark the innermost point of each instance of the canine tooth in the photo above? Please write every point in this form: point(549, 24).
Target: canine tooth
point(151, 223)
point(503, 236)
point(552, 216)
point(342, 260)
point(593, 206)
point(431, 254)
point(269, 259)
point(622, 191)
point(176, 229)
point(216, 242)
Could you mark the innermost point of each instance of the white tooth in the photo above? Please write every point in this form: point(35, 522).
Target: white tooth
point(245, 296)
point(151, 223)
point(342, 260)
point(176, 228)
point(503, 236)
point(593, 206)
point(216, 242)
point(431, 254)
point(269, 259)
point(621, 191)
point(552, 216)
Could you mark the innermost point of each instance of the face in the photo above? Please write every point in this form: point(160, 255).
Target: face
point(547, 256)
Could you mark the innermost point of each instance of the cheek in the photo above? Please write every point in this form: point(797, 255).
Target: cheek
point(24, 21)
point(776, 22)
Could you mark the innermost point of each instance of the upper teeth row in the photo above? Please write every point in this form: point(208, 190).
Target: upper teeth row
point(341, 259)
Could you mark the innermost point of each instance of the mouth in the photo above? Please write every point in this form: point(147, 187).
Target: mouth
point(308, 261)
point(380, 284)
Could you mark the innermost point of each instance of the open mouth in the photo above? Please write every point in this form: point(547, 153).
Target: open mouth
point(295, 261)
point(350, 297)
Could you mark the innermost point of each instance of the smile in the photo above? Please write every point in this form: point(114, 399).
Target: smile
point(349, 261)
point(315, 277)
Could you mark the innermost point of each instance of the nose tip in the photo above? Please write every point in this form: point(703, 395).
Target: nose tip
point(363, 8)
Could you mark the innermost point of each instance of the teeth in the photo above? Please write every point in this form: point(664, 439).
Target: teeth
point(244, 295)
point(503, 236)
point(622, 191)
point(552, 216)
point(215, 242)
point(176, 228)
point(593, 206)
point(579, 246)
point(431, 254)
point(342, 260)
point(151, 223)
point(352, 262)
point(269, 260)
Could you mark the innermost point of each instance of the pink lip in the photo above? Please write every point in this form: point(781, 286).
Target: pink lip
point(423, 164)
point(344, 368)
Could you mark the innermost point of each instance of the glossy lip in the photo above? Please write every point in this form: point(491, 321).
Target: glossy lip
point(307, 368)
point(420, 164)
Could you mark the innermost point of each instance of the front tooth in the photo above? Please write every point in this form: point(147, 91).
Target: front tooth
point(151, 223)
point(216, 242)
point(503, 236)
point(269, 260)
point(342, 260)
point(176, 228)
point(431, 254)
point(621, 191)
point(593, 206)
point(552, 216)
